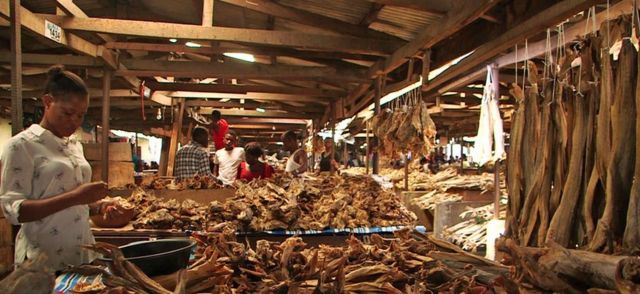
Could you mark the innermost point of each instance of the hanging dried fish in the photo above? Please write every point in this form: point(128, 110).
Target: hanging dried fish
point(621, 160)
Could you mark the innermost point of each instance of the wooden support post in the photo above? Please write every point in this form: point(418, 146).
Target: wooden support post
point(376, 101)
point(176, 134)
point(495, 73)
point(106, 115)
point(16, 68)
point(207, 13)
point(367, 153)
point(333, 136)
point(164, 156)
point(426, 67)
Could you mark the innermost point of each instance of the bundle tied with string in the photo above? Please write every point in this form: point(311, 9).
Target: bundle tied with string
point(405, 126)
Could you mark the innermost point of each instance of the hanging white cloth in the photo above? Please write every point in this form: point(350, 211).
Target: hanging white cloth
point(489, 143)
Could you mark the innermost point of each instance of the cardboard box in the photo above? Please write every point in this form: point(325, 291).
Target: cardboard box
point(120, 151)
point(120, 173)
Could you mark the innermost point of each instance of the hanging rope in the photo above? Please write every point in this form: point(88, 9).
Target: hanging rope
point(516, 61)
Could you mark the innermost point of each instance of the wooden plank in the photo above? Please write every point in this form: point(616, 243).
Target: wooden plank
point(242, 89)
point(207, 13)
point(48, 59)
point(253, 113)
point(232, 70)
point(249, 36)
point(118, 151)
point(106, 115)
point(544, 19)
point(307, 18)
point(269, 51)
point(176, 134)
point(16, 67)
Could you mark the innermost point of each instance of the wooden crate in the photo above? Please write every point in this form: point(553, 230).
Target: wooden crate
point(119, 151)
point(120, 173)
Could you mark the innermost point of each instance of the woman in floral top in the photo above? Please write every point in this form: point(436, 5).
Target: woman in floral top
point(45, 180)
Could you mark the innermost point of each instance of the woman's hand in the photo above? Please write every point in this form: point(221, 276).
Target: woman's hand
point(90, 192)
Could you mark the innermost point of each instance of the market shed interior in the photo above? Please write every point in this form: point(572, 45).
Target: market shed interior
point(395, 83)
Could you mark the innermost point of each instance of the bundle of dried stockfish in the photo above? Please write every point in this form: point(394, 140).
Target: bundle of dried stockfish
point(432, 198)
point(316, 203)
point(405, 129)
point(571, 165)
point(405, 263)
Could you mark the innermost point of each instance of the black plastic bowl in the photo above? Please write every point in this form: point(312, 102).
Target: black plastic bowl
point(159, 257)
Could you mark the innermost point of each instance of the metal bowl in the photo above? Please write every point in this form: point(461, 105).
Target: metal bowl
point(159, 257)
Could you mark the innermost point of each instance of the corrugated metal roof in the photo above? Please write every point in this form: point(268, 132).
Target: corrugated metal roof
point(402, 22)
point(345, 10)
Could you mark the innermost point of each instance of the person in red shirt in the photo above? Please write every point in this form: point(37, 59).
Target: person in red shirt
point(253, 168)
point(219, 128)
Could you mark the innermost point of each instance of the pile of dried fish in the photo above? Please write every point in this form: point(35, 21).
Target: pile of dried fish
point(403, 264)
point(411, 130)
point(434, 197)
point(31, 276)
point(472, 233)
point(571, 164)
point(194, 183)
point(311, 203)
point(157, 213)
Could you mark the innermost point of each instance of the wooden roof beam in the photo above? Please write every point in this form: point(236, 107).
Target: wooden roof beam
point(242, 89)
point(307, 18)
point(49, 59)
point(192, 69)
point(248, 36)
point(269, 51)
point(249, 95)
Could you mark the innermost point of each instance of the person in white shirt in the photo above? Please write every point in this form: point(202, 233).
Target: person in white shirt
point(297, 161)
point(45, 180)
point(228, 159)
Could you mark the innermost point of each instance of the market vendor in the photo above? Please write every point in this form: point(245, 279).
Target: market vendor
point(219, 128)
point(228, 159)
point(45, 180)
point(297, 162)
point(253, 167)
point(193, 159)
point(325, 158)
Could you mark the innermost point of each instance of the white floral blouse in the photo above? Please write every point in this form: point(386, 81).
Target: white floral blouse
point(36, 164)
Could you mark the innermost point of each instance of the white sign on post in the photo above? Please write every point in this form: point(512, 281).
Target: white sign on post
point(52, 31)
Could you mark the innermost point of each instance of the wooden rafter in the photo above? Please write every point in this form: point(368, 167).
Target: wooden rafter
point(242, 89)
point(269, 51)
point(227, 70)
point(248, 95)
point(249, 36)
